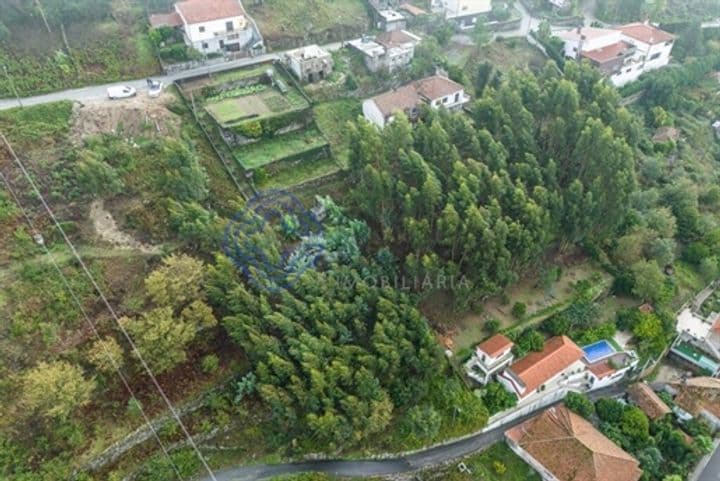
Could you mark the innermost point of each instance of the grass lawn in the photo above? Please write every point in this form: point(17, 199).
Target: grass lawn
point(467, 328)
point(503, 55)
point(279, 19)
point(481, 467)
point(332, 118)
point(302, 172)
point(264, 152)
point(261, 105)
point(241, 74)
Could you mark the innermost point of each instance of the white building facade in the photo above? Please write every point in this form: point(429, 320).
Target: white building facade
point(209, 26)
point(464, 12)
point(436, 91)
point(623, 53)
point(489, 357)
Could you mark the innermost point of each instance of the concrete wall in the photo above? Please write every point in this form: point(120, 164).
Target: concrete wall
point(372, 113)
point(525, 456)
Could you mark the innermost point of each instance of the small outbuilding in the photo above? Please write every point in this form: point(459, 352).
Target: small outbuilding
point(310, 64)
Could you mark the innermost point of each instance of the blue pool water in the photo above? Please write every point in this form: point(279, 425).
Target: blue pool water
point(597, 351)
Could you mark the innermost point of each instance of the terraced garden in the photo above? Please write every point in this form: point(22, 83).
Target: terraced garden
point(277, 148)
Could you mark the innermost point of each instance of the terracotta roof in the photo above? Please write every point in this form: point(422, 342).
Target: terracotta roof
point(536, 368)
point(645, 398)
point(699, 394)
point(496, 345)
point(608, 53)
point(409, 96)
point(165, 20)
point(646, 33)
point(572, 449)
point(602, 369)
point(412, 9)
point(437, 86)
point(198, 11)
point(403, 98)
point(396, 38)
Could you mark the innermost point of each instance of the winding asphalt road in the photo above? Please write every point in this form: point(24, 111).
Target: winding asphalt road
point(432, 456)
point(99, 92)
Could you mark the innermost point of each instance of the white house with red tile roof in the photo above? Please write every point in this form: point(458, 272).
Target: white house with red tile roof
point(210, 26)
point(623, 53)
point(559, 364)
point(490, 357)
point(436, 91)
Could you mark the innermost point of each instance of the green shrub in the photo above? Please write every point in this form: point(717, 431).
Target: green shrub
point(210, 363)
point(350, 82)
point(252, 129)
point(492, 326)
point(134, 408)
point(519, 309)
point(499, 468)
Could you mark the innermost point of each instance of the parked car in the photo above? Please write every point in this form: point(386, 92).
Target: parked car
point(155, 87)
point(121, 92)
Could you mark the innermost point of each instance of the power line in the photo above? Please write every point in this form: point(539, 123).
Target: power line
point(114, 315)
point(79, 305)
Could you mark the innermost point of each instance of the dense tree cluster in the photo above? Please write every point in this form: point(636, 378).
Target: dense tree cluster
point(541, 159)
point(336, 353)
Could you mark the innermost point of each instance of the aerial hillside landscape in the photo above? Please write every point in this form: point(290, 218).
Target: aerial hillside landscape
point(372, 240)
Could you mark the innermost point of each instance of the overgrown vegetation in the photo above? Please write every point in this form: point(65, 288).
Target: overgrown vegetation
point(57, 44)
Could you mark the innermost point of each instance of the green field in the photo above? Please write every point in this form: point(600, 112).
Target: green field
point(302, 172)
point(265, 104)
point(332, 119)
point(279, 19)
point(267, 151)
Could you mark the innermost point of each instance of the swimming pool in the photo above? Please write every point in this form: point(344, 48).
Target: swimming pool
point(597, 351)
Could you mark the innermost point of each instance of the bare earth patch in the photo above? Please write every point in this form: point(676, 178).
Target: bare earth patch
point(139, 115)
point(107, 229)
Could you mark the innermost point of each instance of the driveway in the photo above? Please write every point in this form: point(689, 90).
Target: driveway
point(425, 458)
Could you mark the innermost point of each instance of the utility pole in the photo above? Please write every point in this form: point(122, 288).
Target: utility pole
point(42, 14)
point(12, 84)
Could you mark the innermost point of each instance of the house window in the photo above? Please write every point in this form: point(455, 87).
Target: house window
point(446, 100)
point(655, 56)
point(229, 26)
point(201, 28)
point(222, 43)
point(628, 70)
point(204, 45)
point(457, 97)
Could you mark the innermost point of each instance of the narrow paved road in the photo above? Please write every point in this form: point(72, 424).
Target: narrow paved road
point(433, 456)
point(99, 92)
point(712, 469)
